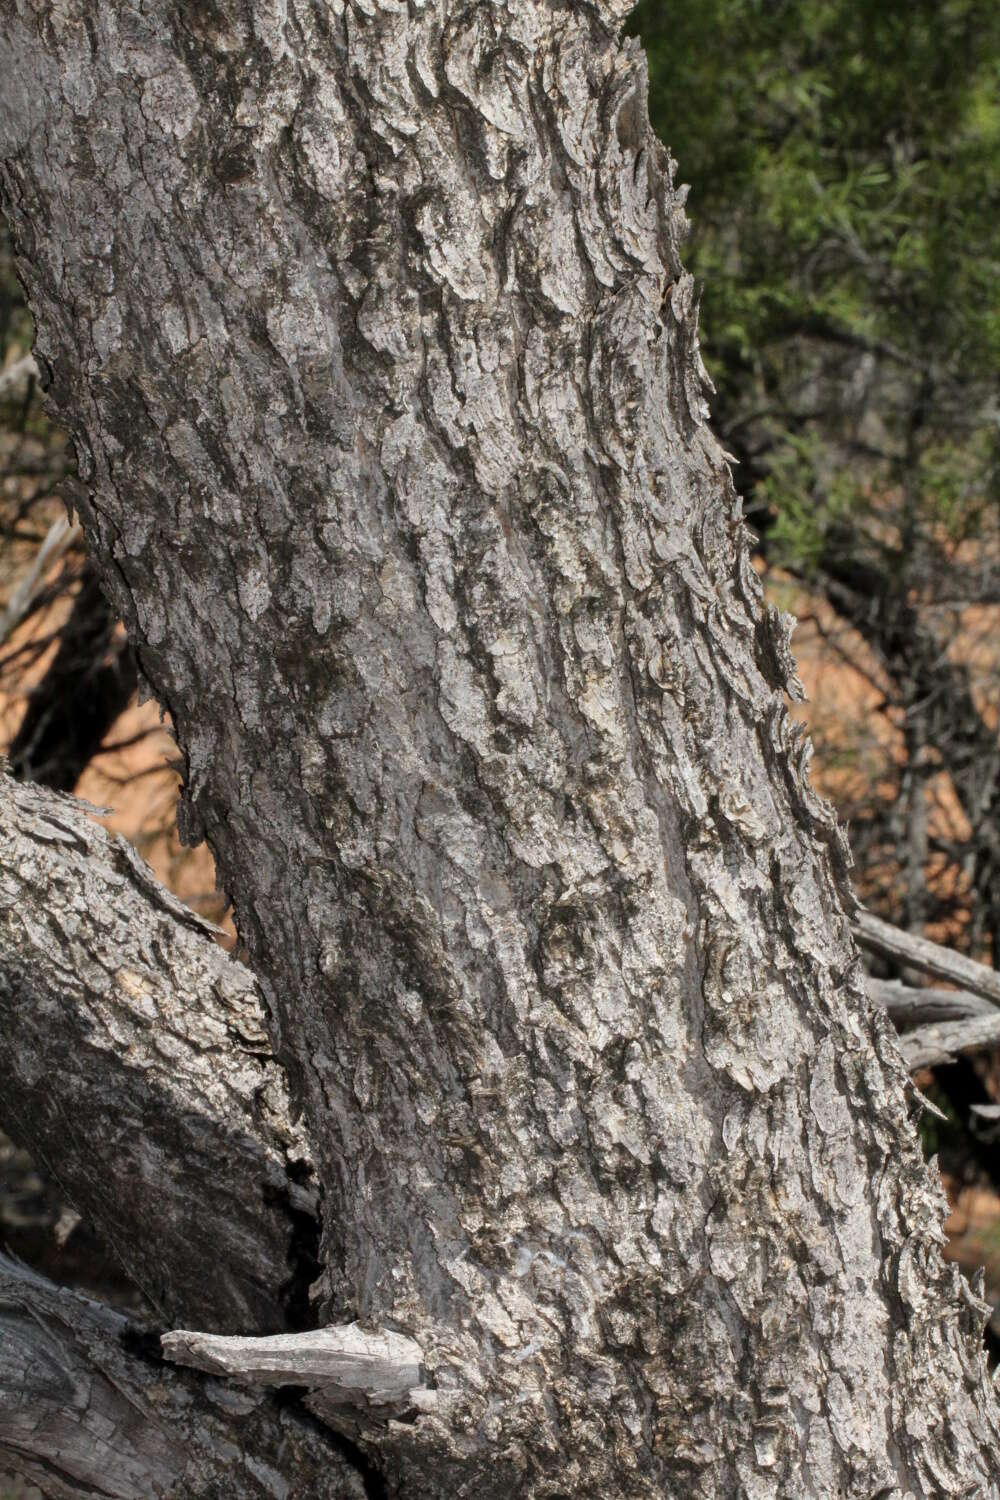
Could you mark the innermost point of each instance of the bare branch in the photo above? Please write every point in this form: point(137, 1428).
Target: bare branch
point(83, 1413)
point(930, 958)
point(348, 1370)
point(61, 536)
point(137, 1068)
point(928, 1046)
point(909, 1006)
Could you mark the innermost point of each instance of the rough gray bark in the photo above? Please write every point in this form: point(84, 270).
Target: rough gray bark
point(372, 328)
point(136, 1067)
point(86, 1417)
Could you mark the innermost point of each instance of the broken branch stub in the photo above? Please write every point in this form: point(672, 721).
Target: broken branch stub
point(345, 1368)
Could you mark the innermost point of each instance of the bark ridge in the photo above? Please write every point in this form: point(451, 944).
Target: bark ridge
point(372, 327)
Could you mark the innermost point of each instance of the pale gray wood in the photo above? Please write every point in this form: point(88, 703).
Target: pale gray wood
point(371, 325)
point(60, 537)
point(943, 1041)
point(345, 1371)
point(85, 1415)
point(907, 1006)
point(936, 1025)
point(374, 1364)
point(136, 1069)
point(930, 958)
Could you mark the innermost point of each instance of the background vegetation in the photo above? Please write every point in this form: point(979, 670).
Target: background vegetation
point(845, 226)
point(845, 212)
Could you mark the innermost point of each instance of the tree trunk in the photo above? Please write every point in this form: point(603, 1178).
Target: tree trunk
point(371, 326)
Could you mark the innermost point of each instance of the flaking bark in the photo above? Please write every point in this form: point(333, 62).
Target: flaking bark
point(372, 328)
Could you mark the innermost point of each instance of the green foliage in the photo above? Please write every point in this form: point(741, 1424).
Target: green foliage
point(845, 223)
point(801, 530)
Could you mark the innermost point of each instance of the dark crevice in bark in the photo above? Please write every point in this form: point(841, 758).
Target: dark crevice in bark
point(371, 1476)
point(89, 1406)
point(33, 1210)
point(143, 1343)
point(992, 1342)
point(303, 1255)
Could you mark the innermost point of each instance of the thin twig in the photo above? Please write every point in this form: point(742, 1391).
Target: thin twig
point(62, 535)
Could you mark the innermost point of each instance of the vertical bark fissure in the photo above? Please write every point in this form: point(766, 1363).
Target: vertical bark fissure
point(385, 371)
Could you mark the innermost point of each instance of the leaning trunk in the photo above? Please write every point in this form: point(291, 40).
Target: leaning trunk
point(372, 329)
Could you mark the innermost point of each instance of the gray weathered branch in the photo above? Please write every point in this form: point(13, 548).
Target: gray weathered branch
point(931, 958)
point(908, 1006)
point(943, 1041)
point(60, 537)
point(935, 1026)
point(136, 1068)
point(85, 1415)
point(349, 1371)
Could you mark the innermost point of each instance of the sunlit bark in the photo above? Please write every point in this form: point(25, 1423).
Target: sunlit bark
point(371, 326)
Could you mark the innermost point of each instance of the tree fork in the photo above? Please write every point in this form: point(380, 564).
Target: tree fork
point(86, 1411)
point(137, 1071)
point(371, 326)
